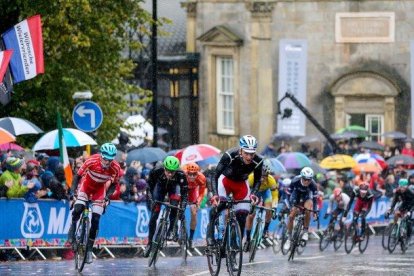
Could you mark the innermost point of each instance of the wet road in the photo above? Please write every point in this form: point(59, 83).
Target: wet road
point(375, 261)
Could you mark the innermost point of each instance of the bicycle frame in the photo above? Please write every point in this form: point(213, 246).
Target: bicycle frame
point(256, 239)
point(81, 238)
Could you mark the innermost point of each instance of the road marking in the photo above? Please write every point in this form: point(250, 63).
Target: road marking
point(245, 264)
point(309, 258)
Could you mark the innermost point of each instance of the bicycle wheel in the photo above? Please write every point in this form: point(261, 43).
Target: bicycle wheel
point(350, 238)
point(325, 240)
point(183, 240)
point(339, 239)
point(234, 248)
point(255, 242)
point(403, 236)
point(393, 238)
point(301, 246)
point(81, 242)
point(364, 243)
point(277, 237)
point(157, 242)
point(214, 254)
point(385, 236)
point(296, 240)
point(285, 237)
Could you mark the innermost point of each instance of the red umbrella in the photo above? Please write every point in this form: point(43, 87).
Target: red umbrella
point(10, 146)
point(196, 153)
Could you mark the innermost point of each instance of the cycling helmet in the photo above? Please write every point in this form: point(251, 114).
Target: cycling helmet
point(337, 192)
point(192, 168)
point(248, 143)
point(286, 182)
point(108, 151)
point(403, 182)
point(267, 166)
point(171, 163)
point(306, 173)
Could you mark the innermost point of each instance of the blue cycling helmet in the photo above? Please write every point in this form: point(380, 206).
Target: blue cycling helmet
point(108, 151)
point(248, 143)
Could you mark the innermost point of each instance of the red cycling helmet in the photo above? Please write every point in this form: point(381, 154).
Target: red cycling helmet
point(337, 192)
point(192, 168)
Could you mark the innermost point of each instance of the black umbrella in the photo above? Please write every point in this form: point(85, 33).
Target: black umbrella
point(394, 135)
point(344, 135)
point(18, 126)
point(400, 160)
point(371, 145)
point(146, 155)
point(310, 139)
point(282, 137)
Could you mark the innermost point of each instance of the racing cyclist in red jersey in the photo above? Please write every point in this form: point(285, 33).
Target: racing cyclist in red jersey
point(196, 189)
point(93, 176)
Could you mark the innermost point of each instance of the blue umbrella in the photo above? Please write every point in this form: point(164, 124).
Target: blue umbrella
point(146, 155)
point(277, 166)
point(213, 160)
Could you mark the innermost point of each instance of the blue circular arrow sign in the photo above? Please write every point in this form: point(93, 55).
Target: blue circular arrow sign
point(87, 116)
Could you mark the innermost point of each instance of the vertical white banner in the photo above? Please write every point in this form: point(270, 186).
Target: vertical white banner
point(293, 55)
point(412, 86)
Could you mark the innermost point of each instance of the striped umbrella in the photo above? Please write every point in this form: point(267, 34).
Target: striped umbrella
point(73, 138)
point(196, 153)
point(294, 160)
point(370, 158)
point(6, 137)
point(18, 126)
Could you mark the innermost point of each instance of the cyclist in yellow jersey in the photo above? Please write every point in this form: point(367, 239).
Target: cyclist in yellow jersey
point(269, 194)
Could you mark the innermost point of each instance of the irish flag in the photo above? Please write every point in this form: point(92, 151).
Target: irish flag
point(64, 158)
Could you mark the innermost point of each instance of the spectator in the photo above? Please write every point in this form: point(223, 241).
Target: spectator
point(53, 179)
point(141, 188)
point(128, 183)
point(390, 185)
point(387, 152)
point(12, 178)
point(32, 182)
point(407, 150)
point(269, 151)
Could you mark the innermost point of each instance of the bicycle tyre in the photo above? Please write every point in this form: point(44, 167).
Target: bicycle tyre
point(214, 255)
point(364, 243)
point(234, 248)
point(277, 238)
point(183, 240)
point(157, 243)
point(81, 250)
point(324, 241)
point(350, 238)
point(404, 237)
point(284, 239)
point(255, 242)
point(393, 238)
point(295, 242)
point(385, 236)
point(339, 240)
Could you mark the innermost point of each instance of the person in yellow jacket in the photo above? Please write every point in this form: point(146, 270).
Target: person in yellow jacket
point(269, 195)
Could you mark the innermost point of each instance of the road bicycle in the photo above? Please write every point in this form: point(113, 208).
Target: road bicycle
point(332, 235)
point(279, 236)
point(353, 236)
point(257, 234)
point(398, 233)
point(160, 237)
point(298, 244)
point(228, 240)
point(81, 237)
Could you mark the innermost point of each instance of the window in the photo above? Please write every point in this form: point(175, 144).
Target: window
point(375, 125)
point(225, 95)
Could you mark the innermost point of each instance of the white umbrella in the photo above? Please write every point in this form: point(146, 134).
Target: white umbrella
point(73, 138)
point(138, 129)
point(18, 126)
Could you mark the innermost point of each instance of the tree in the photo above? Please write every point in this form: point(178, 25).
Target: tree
point(84, 41)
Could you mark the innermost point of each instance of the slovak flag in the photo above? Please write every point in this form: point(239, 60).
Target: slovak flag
point(25, 39)
point(4, 62)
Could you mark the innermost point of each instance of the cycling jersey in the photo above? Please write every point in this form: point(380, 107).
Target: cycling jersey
point(299, 193)
point(268, 189)
point(362, 203)
point(342, 204)
point(406, 197)
point(231, 165)
point(196, 188)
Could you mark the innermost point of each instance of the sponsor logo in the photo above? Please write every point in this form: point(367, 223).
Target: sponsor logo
point(191, 157)
point(141, 228)
point(32, 225)
point(204, 223)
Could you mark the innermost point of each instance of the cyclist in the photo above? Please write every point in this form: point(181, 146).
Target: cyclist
point(304, 192)
point(231, 176)
point(269, 194)
point(93, 176)
point(365, 197)
point(404, 194)
point(196, 189)
point(342, 200)
point(168, 179)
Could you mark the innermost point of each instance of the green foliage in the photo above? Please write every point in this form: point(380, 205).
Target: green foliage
point(83, 50)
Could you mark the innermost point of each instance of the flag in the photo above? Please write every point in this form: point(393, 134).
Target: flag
point(25, 39)
point(4, 62)
point(64, 158)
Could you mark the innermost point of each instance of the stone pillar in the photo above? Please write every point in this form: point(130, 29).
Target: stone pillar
point(389, 114)
point(191, 8)
point(261, 85)
point(339, 112)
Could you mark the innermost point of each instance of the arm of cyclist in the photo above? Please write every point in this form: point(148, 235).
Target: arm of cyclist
point(352, 198)
point(201, 189)
point(183, 190)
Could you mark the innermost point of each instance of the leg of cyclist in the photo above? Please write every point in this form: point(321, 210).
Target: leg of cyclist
point(193, 224)
point(172, 229)
point(97, 210)
point(78, 208)
point(308, 205)
point(268, 217)
point(249, 225)
point(241, 191)
point(214, 213)
point(292, 215)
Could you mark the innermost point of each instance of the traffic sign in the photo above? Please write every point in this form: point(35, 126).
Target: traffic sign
point(87, 116)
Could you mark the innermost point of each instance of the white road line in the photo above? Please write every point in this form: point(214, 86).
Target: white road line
point(245, 264)
point(309, 258)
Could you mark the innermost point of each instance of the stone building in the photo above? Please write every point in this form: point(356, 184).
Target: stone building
point(357, 64)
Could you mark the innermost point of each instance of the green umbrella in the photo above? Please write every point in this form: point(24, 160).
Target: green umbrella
point(358, 130)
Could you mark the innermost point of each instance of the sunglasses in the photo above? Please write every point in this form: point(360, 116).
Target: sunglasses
point(192, 174)
point(168, 171)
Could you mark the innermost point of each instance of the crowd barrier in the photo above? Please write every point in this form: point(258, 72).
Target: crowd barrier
point(45, 224)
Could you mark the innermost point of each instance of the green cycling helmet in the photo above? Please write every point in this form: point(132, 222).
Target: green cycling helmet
point(108, 151)
point(171, 163)
point(403, 182)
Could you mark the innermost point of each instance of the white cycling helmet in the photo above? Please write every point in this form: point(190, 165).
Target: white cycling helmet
point(267, 166)
point(306, 173)
point(286, 182)
point(248, 143)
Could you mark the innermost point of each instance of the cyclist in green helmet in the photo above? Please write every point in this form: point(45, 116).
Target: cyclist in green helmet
point(168, 179)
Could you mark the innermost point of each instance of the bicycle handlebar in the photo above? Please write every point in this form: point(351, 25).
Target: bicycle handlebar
point(306, 209)
point(167, 204)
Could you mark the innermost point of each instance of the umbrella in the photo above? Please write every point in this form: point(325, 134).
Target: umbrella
point(400, 160)
point(371, 145)
point(367, 167)
point(282, 137)
point(10, 146)
point(344, 135)
point(294, 160)
point(73, 138)
point(338, 162)
point(196, 153)
point(317, 168)
point(310, 139)
point(370, 158)
point(213, 160)
point(358, 130)
point(146, 155)
point(18, 126)
point(6, 137)
point(394, 135)
point(277, 166)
